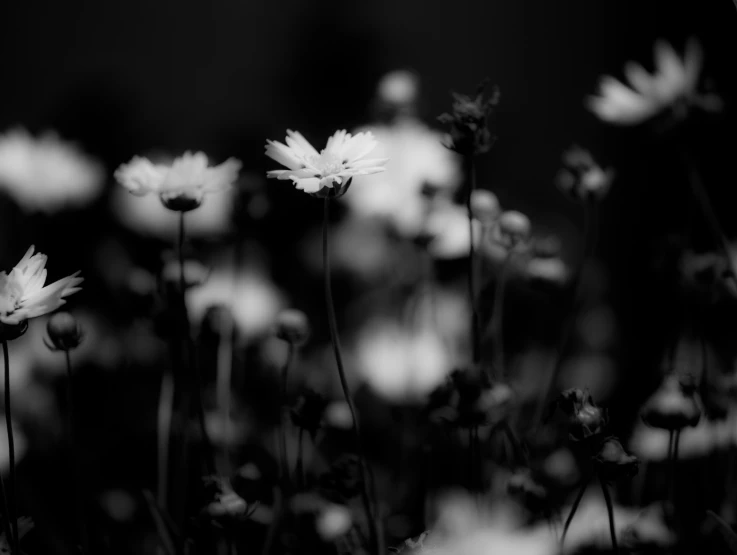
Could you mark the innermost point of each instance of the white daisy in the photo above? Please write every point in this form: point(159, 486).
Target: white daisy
point(674, 82)
point(181, 185)
point(22, 292)
point(47, 173)
point(343, 158)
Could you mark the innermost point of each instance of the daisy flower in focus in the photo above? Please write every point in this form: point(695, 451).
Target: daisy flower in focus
point(47, 173)
point(318, 173)
point(673, 84)
point(22, 292)
point(182, 185)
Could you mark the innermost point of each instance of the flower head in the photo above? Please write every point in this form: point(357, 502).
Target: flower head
point(182, 185)
point(22, 292)
point(47, 173)
point(64, 331)
point(673, 406)
point(469, 122)
point(582, 177)
point(673, 85)
point(330, 171)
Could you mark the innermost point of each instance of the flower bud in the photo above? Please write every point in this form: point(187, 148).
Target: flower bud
point(64, 331)
point(293, 326)
point(399, 87)
point(513, 229)
point(333, 521)
point(485, 206)
point(672, 408)
point(613, 462)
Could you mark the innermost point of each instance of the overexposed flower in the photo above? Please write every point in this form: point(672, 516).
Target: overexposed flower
point(183, 184)
point(673, 84)
point(253, 300)
point(47, 173)
point(22, 292)
point(343, 158)
point(418, 161)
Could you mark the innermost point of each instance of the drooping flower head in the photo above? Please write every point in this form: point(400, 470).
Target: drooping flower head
point(182, 185)
point(672, 85)
point(582, 178)
point(469, 121)
point(22, 292)
point(330, 171)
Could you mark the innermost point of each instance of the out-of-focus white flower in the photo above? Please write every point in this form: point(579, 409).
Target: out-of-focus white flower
point(582, 178)
point(22, 292)
point(343, 158)
point(19, 444)
point(448, 230)
point(548, 270)
point(253, 300)
point(333, 521)
point(47, 173)
point(183, 184)
point(418, 160)
point(673, 84)
point(147, 216)
point(398, 87)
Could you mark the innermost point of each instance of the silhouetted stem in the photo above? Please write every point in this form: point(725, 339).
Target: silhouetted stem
point(283, 455)
point(497, 317)
point(11, 452)
point(574, 508)
point(475, 324)
point(610, 512)
point(222, 387)
point(366, 478)
point(6, 512)
point(74, 457)
point(163, 419)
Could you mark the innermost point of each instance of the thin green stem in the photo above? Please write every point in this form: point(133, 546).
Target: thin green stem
point(475, 324)
point(366, 478)
point(74, 457)
point(11, 451)
point(610, 513)
point(574, 508)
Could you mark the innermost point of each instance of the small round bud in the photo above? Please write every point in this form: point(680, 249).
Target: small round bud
point(64, 331)
point(485, 206)
point(513, 229)
point(293, 326)
point(333, 521)
point(398, 87)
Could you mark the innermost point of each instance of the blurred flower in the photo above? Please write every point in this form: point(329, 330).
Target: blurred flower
point(673, 85)
point(47, 173)
point(333, 521)
point(401, 363)
point(226, 503)
point(418, 160)
point(582, 178)
point(613, 462)
point(343, 158)
point(585, 418)
point(469, 122)
point(293, 326)
point(253, 300)
point(118, 504)
point(672, 407)
point(182, 185)
point(529, 491)
point(466, 399)
point(64, 331)
point(485, 206)
point(448, 232)
point(398, 87)
point(22, 292)
point(148, 216)
point(512, 230)
point(547, 270)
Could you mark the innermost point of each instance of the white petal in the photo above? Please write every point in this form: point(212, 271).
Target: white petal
point(296, 140)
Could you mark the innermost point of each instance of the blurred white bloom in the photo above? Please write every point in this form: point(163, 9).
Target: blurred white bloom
point(401, 364)
point(181, 185)
point(19, 445)
point(148, 216)
point(47, 173)
point(343, 158)
point(253, 300)
point(547, 269)
point(333, 521)
point(418, 160)
point(674, 81)
point(398, 87)
point(449, 232)
point(582, 178)
point(22, 292)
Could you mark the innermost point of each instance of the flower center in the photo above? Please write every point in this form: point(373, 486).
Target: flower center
point(327, 162)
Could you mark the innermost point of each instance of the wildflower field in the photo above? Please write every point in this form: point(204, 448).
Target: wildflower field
point(340, 278)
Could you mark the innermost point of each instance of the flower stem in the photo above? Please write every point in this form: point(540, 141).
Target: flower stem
point(222, 387)
point(6, 511)
point(299, 469)
point(11, 452)
point(674, 467)
point(574, 508)
point(475, 325)
point(164, 416)
point(283, 455)
point(366, 478)
point(497, 325)
point(74, 457)
point(610, 512)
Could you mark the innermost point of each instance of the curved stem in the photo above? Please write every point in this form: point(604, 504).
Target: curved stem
point(610, 513)
point(475, 325)
point(366, 478)
point(74, 457)
point(574, 508)
point(11, 452)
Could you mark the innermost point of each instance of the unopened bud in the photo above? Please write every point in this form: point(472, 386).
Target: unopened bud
point(485, 206)
point(514, 229)
point(64, 331)
point(293, 326)
point(333, 521)
point(398, 87)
